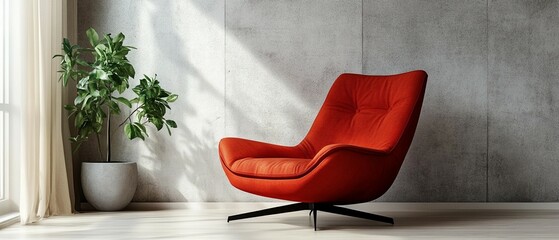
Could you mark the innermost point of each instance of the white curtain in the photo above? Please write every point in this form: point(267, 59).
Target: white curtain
point(44, 181)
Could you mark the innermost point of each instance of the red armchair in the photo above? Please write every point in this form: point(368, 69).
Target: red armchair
point(351, 154)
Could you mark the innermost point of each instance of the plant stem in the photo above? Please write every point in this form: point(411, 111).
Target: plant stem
point(129, 116)
point(99, 145)
point(109, 135)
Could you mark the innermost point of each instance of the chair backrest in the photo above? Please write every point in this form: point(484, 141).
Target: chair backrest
point(379, 112)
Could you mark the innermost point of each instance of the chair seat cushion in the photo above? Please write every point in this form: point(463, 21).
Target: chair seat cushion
point(271, 167)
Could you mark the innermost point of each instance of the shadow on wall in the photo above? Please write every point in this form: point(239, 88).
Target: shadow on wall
point(281, 59)
point(185, 166)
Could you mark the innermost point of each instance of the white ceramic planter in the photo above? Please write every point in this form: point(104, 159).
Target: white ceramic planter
point(109, 186)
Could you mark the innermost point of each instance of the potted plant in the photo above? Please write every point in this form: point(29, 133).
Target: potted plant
point(102, 73)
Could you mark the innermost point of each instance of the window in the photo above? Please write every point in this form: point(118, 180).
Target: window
point(6, 205)
point(3, 105)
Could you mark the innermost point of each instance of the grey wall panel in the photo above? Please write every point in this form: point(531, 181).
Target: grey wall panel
point(281, 59)
point(447, 160)
point(523, 105)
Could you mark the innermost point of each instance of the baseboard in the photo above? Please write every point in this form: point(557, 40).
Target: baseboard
point(435, 206)
point(147, 206)
point(153, 206)
point(370, 206)
point(8, 219)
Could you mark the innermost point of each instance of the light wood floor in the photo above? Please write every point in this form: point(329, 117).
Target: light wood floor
point(208, 221)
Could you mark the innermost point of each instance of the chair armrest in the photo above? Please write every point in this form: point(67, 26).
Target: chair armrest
point(329, 149)
point(346, 156)
point(232, 149)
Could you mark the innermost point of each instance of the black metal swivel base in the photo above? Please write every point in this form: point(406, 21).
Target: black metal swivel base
point(314, 207)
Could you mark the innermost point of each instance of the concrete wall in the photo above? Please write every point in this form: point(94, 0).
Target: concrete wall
point(261, 69)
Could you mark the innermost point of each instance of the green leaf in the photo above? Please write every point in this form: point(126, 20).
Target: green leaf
point(84, 103)
point(171, 123)
point(131, 71)
point(64, 79)
point(161, 110)
point(70, 107)
point(100, 49)
point(99, 117)
point(118, 38)
point(79, 120)
point(124, 101)
point(141, 126)
point(78, 100)
point(172, 97)
point(142, 131)
point(162, 93)
point(128, 130)
point(135, 132)
point(165, 104)
point(137, 90)
point(66, 46)
point(82, 84)
point(68, 60)
point(100, 74)
point(121, 88)
point(92, 36)
point(115, 109)
point(157, 123)
point(140, 115)
point(138, 132)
